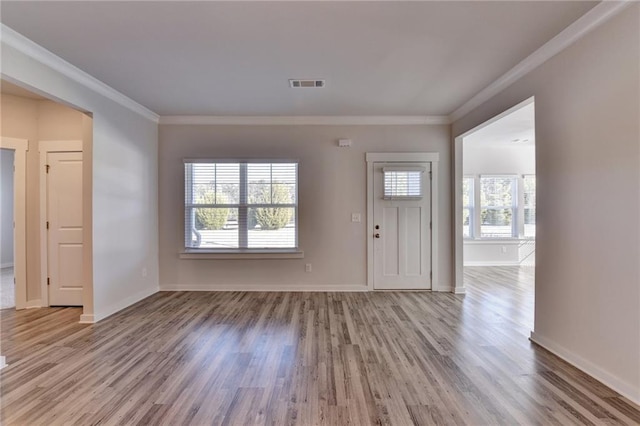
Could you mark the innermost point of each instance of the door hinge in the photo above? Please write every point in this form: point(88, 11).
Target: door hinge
point(431, 275)
point(430, 225)
point(47, 167)
point(48, 281)
point(430, 175)
point(47, 224)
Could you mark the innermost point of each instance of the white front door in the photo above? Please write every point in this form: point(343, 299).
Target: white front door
point(64, 216)
point(402, 226)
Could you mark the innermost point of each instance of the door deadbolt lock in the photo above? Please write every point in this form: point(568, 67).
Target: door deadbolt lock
point(377, 226)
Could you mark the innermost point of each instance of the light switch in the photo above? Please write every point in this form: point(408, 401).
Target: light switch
point(355, 217)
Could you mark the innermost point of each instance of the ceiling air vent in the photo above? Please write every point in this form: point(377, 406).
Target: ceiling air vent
point(306, 83)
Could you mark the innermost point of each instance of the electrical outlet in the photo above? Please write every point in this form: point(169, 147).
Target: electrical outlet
point(307, 267)
point(355, 217)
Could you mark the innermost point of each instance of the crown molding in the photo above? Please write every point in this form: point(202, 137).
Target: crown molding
point(299, 120)
point(33, 50)
point(598, 15)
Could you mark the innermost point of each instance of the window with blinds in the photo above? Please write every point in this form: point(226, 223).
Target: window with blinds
point(402, 183)
point(238, 206)
point(498, 204)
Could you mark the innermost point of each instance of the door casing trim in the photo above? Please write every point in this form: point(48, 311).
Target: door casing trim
point(404, 157)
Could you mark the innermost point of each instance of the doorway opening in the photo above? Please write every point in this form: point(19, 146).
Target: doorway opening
point(12, 222)
point(497, 208)
point(52, 201)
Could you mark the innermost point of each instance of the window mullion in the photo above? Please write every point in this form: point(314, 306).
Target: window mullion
point(477, 201)
point(472, 203)
point(515, 222)
point(188, 211)
point(215, 184)
point(271, 182)
point(520, 207)
point(243, 238)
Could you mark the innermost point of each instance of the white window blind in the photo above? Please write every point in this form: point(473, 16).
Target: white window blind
point(237, 206)
point(402, 182)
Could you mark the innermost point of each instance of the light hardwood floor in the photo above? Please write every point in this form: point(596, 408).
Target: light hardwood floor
point(300, 358)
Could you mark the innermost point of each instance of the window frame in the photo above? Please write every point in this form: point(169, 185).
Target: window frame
point(243, 207)
point(471, 207)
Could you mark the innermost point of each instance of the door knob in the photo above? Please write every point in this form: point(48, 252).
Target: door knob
point(377, 235)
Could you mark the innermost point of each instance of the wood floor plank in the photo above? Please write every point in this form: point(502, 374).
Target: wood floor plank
point(398, 358)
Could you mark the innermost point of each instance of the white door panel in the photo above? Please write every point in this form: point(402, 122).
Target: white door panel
point(65, 234)
point(402, 243)
point(390, 250)
point(414, 249)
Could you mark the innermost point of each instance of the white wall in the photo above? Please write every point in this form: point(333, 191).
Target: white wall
point(6, 208)
point(491, 253)
point(588, 202)
point(481, 159)
point(124, 183)
point(332, 185)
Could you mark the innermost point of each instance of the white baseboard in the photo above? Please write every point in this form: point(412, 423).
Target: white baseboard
point(442, 289)
point(492, 263)
point(628, 390)
point(118, 306)
point(35, 303)
point(284, 288)
point(87, 319)
point(3, 362)
point(263, 287)
point(460, 290)
point(6, 265)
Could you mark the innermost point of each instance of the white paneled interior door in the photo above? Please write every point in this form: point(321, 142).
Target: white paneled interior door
point(402, 226)
point(64, 216)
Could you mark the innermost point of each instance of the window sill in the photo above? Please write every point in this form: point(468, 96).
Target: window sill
point(242, 254)
point(496, 240)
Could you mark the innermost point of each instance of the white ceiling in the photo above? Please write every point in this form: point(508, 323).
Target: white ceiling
point(235, 58)
point(515, 129)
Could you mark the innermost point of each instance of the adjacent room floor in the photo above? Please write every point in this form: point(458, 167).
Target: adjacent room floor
point(301, 358)
point(7, 289)
point(508, 287)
